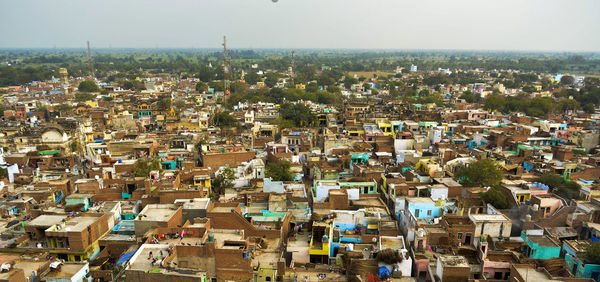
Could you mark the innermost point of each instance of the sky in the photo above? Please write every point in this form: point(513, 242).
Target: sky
point(527, 25)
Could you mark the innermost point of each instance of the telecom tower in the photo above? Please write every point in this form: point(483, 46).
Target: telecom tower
point(292, 70)
point(89, 54)
point(226, 62)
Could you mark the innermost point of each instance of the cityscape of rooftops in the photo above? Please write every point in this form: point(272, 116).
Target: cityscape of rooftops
point(299, 140)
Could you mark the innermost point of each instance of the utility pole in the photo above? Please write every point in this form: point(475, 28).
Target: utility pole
point(226, 61)
point(89, 54)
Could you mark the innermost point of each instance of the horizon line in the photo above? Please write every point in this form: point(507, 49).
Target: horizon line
point(301, 48)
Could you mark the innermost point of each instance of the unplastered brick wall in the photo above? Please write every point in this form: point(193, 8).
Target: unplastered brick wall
point(233, 159)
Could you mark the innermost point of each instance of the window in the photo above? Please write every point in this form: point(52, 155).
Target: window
point(497, 275)
point(460, 236)
point(428, 212)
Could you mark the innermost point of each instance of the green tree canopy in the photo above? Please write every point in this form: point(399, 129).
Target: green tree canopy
point(88, 86)
point(252, 77)
point(553, 180)
point(592, 253)
point(164, 104)
point(494, 103)
point(271, 79)
point(201, 86)
point(567, 80)
point(558, 186)
point(279, 171)
point(484, 172)
point(82, 97)
point(223, 179)
point(63, 107)
point(349, 80)
point(299, 113)
point(495, 198)
point(143, 167)
point(589, 108)
point(134, 85)
point(225, 119)
point(568, 190)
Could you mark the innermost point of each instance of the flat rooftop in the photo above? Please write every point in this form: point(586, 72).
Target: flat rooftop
point(530, 274)
point(47, 220)
point(75, 224)
point(222, 235)
point(140, 260)
point(419, 199)
point(157, 212)
point(395, 243)
point(222, 209)
point(488, 217)
point(454, 261)
point(66, 270)
point(542, 241)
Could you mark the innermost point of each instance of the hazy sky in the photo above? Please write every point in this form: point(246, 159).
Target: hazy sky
point(555, 25)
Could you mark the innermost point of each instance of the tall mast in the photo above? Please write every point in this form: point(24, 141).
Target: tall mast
point(226, 62)
point(89, 54)
point(292, 70)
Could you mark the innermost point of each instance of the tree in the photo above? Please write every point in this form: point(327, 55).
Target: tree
point(589, 108)
point(201, 86)
point(553, 180)
point(312, 87)
point(592, 253)
point(349, 81)
point(299, 113)
point(88, 86)
point(63, 108)
point(484, 172)
point(134, 84)
point(568, 105)
point(82, 97)
point(108, 98)
point(567, 80)
point(217, 85)
point(164, 104)
point(568, 190)
point(271, 79)
point(74, 146)
point(224, 119)
point(494, 103)
point(223, 179)
point(333, 89)
point(529, 88)
point(496, 198)
point(3, 173)
point(279, 171)
point(251, 77)
point(143, 167)
point(468, 96)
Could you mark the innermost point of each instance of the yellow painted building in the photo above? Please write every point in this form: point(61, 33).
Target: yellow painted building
point(321, 239)
point(387, 129)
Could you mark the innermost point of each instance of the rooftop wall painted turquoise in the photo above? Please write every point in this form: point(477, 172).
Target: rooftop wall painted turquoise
point(540, 252)
point(423, 208)
point(582, 270)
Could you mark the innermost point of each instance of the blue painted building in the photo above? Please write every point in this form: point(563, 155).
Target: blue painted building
point(540, 246)
point(574, 257)
point(423, 208)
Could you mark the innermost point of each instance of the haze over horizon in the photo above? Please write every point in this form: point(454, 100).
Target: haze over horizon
point(510, 25)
